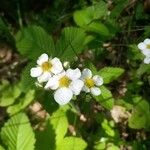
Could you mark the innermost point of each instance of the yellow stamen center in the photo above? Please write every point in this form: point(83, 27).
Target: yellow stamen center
point(148, 46)
point(64, 81)
point(89, 82)
point(46, 66)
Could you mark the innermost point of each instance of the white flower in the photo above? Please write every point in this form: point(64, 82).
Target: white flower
point(147, 60)
point(45, 68)
point(66, 84)
point(91, 83)
point(145, 47)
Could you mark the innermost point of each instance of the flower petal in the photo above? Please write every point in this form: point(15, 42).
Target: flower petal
point(76, 86)
point(95, 91)
point(52, 83)
point(146, 52)
point(73, 74)
point(86, 73)
point(35, 72)
point(147, 41)
point(43, 58)
point(142, 46)
point(44, 77)
point(63, 95)
point(98, 80)
point(56, 66)
point(147, 60)
point(86, 89)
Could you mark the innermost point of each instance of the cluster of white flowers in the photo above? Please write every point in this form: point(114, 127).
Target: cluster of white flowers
point(65, 83)
point(145, 49)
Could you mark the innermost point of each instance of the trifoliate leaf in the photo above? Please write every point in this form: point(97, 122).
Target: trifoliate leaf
point(34, 41)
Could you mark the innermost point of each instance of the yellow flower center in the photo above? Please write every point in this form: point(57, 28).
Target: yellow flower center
point(46, 66)
point(89, 82)
point(64, 81)
point(148, 46)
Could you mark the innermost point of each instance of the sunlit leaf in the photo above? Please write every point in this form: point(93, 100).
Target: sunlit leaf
point(8, 93)
point(22, 104)
point(17, 133)
point(72, 143)
point(110, 73)
point(59, 122)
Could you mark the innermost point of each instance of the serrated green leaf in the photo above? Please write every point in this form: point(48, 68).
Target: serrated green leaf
point(8, 94)
point(17, 133)
point(22, 104)
point(140, 116)
point(110, 73)
point(71, 43)
point(106, 98)
point(33, 41)
point(72, 143)
point(59, 122)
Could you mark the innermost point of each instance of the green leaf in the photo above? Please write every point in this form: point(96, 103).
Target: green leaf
point(59, 122)
point(8, 93)
point(71, 43)
point(22, 104)
point(100, 10)
point(85, 16)
point(113, 147)
point(105, 99)
point(98, 28)
point(140, 115)
point(33, 41)
point(82, 17)
point(17, 133)
point(100, 146)
point(110, 73)
point(73, 143)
